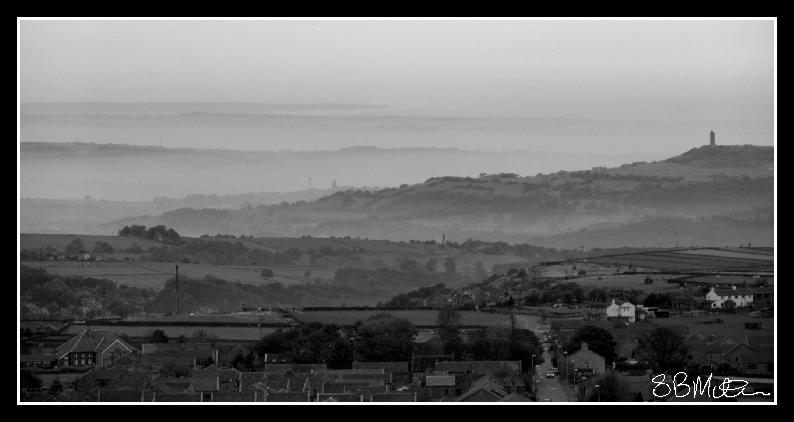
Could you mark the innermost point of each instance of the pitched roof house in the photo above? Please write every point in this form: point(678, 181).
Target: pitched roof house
point(586, 359)
point(485, 389)
point(93, 348)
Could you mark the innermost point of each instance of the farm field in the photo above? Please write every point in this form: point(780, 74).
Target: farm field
point(59, 241)
point(678, 260)
point(222, 333)
point(417, 317)
point(730, 254)
point(153, 275)
point(249, 317)
point(732, 325)
point(631, 281)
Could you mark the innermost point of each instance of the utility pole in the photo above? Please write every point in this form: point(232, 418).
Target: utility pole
point(177, 289)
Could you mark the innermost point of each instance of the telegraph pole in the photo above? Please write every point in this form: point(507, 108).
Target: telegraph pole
point(177, 289)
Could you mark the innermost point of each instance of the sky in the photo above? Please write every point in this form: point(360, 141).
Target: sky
point(601, 70)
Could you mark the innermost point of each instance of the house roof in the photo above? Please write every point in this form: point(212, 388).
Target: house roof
point(760, 340)
point(367, 392)
point(177, 397)
point(224, 374)
point(419, 363)
point(272, 384)
point(339, 397)
point(297, 368)
point(204, 384)
point(393, 397)
point(515, 398)
point(235, 396)
point(171, 385)
point(484, 385)
point(117, 379)
point(120, 395)
point(92, 341)
point(297, 396)
point(479, 367)
point(394, 367)
point(426, 336)
point(440, 380)
point(347, 372)
point(37, 357)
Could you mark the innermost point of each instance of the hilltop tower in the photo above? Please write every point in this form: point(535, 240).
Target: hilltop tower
point(712, 138)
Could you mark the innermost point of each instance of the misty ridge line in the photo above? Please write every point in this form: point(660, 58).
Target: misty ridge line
point(353, 148)
point(295, 108)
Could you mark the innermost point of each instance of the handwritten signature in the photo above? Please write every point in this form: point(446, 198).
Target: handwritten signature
point(728, 388)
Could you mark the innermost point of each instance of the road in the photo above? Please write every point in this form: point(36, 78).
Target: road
point(549, 389)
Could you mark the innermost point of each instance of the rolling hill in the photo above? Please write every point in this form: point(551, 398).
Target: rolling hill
point(723, 194)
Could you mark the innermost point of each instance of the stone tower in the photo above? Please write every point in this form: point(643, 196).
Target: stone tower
point(712, 138)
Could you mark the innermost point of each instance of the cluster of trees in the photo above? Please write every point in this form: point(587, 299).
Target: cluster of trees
point(212, 293)
point(564, 292)
point(218, 252)
point(75, 247)
point(384, 337)
point(401, 300)
point(381, 337)
point(56, 293)
point(38, 254)
point(158, 233)
point(661, 300)
point(662, 349)
point(494, 343)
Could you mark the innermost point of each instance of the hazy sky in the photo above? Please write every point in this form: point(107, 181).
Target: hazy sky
point(648, 70)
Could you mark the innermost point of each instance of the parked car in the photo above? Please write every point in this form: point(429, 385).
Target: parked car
point(550, 374)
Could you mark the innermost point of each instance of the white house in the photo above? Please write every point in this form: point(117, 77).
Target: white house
point(720, 298)
point(613, 310)
point(628, 311)
point(624, 310)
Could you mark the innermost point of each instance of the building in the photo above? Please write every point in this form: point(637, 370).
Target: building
point(737, 297)
point(38, 361)
point(587, 360)
point(623, 310)
point(689, 303)
point(440, 387)
point(397, 371)
point(93, 348)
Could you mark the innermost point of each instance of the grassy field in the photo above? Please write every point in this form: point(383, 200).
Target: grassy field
point(417, 317)
point(223, 333)
point(154, 274)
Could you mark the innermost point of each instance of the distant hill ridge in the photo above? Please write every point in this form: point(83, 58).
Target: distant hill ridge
point(726, 156)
